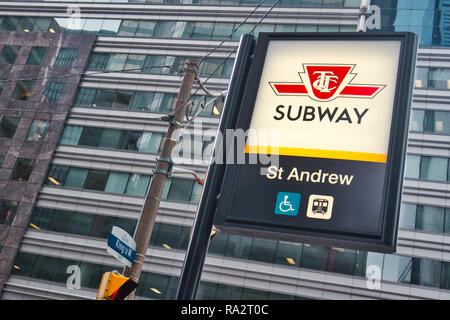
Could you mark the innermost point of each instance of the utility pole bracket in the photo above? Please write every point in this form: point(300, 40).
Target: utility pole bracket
point(169, 161)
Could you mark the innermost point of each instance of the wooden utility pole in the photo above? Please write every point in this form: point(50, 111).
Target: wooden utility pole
point(149, 212)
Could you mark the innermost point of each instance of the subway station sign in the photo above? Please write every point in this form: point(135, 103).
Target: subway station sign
point(334, 110)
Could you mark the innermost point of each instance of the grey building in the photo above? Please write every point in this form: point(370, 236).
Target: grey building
point(102, 164)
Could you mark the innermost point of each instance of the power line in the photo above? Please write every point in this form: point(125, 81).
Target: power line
point(223, 62)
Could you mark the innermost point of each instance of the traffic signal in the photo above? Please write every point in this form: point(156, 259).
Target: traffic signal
point(114, 286)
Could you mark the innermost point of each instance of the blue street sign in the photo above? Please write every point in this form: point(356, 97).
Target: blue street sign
point(122, 246)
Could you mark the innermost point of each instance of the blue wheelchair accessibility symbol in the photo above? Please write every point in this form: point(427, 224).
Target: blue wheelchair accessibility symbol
point(287, 203)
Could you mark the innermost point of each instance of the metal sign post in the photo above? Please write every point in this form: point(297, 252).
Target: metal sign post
point(198, 244)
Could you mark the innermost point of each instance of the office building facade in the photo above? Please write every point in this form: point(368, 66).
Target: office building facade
point(102, 163)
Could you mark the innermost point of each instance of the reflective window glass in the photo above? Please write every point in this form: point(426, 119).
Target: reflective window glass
point(40, 218)
point(110, 27)
point(137, 184)
point(37, 56)
point(76, 177)
point(146, 28)
point(416, 120)
point(104, 98)
point(122, 99)
point(57, 175)
point(433, 168)
point(150, 142)
point(92, 26)
point(8, 126)
point(53, 91)
point(412, 166)
point(180, 189)
point(96, 180)
point(135, 62)
point(117, 182)
point(164, 29)
point(23, 90)
point(85, 97)
point(202, 30)
point(142, 101)
point(9, 54)
point(116, 62)
point(90, 136)
point(71, 135)
point(109, 138)
point(66, 57)
point(8, 211)
point(430, 218)
point(407, 216)
point(22, 170)
point(98, 61)
point(439, 78)
point(222, 30)
point(128, 28)
point(38, 130)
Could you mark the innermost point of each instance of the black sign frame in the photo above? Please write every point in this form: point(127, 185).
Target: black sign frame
point(386, 239)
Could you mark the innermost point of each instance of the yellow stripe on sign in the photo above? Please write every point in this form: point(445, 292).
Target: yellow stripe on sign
point(316, 153)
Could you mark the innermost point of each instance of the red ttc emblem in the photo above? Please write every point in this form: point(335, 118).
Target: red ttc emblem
point(326, 82)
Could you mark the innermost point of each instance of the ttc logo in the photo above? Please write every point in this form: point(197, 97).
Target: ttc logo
point(326, 82)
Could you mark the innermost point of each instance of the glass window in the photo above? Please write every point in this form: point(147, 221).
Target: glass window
point(416, 120)
point(313, 257)
point(71, 135)
point(85, 97)
point(8, 126)
point(53, 91)
point(129, 140)
point(245, 28)
point(96, 180)
point(110, 27)
point(122, 99)
point(135, 62)
point(164, 29)
point(9, 54)
point(408, 216)
point(44, 268)
point(76, 177)
point(7, 211)
point(154, 64)
point(288, 253)
point(98, 61)
point(22, 170)
point(116, 62)
point(183, 29)
point(439, 78)
point(66, 56)
point(23, 90)
point(445, 276)
point(430, 218)
point(128, 28)
point(211, 66)
point(41, 217)
point(202, 30)
point(433, 168)
point(180, 189)
point(38, 130)
point(109, 138)
point(421, 78)
point(92, 26)
point(222, 30)
point(285, 28)
point(437, 121)
point(426, 272)
point(137, 184)
point(238, 247)
point(57, 175)
point(150, 142)
point(37, 56)
point(412, 166)
point(397, 268)
point(104, 98)
point(163, 102)
point(9, 23)
point(263, 250)
point(90, 136)
point(142, 101)
point(196, 191)
point(146, 29)
point(117, 182)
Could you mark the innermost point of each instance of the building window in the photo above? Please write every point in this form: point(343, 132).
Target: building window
point(23, 90)
point(8, 127)
point(7, 211)
point(98, 61)
point(53, 91)
point(38, 130)
point(66, 57)
point(85, 97)
point(433, 168)
point(37, 56)
point(9, 54)
point(22, 170)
